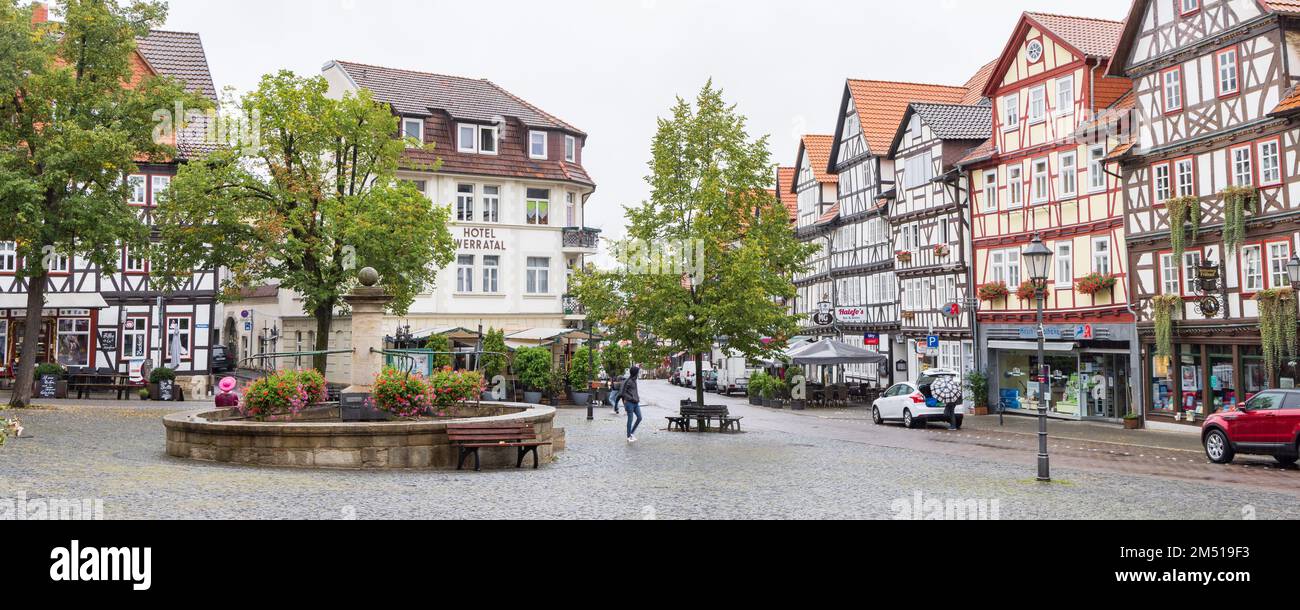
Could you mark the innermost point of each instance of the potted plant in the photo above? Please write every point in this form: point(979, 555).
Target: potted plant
point(942, 251)
point(556, 386)
point(51, 381)
point(533, 366)
point(993, 291)
point(144, 393)
point(452, 390)
point(1132, 421)
point(1027, 291)
point(757, 384)
point(402, 395)
point(494, 361)
point(582, 371)
point(978, 384)
point(162, 384)
point(904, 256)
point(1095, 283)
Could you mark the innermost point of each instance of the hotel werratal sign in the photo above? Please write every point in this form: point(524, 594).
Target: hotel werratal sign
point(481, 239)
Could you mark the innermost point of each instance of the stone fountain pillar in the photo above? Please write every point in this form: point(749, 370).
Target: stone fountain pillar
point(368, 302)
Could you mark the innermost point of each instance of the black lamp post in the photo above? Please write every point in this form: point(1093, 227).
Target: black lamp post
point(1293, 273)
point(591, 366)
point(1038, 258)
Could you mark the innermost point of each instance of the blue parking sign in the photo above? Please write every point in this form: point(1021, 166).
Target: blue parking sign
point(932, 342)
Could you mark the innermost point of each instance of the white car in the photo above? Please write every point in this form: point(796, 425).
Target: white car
point(906, 403)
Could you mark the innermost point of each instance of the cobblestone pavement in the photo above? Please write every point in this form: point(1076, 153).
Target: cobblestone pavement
point(786, 465)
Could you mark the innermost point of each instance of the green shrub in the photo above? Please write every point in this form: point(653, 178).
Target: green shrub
point(978, 384)
point(401, 394)
point(533, 366)
point(494, 363)
point(581, 371)
point(450, 388)
point(616, 359)
point(440, 343)
point(50, 368)
point(161, 374)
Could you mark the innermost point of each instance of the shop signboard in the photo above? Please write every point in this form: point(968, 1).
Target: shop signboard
point(851, 315)
point(871, 339)
point(1050, 333)
point(166, 390)
point(47, 386)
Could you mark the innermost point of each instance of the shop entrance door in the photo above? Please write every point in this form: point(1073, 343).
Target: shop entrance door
point(43, 349)
point(1105, 381)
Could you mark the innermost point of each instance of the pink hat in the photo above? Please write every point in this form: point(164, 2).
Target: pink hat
point(227, 384)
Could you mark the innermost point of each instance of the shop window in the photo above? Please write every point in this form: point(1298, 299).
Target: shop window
point(73, 342)
point(1223, 387)
point(135, 338)
point(4, 343)
point(184, 326)
point(1254, 374)
point(1190, 375)
point(1160, 370)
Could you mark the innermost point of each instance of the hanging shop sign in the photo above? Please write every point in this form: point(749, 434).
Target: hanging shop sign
point(851, 315)
point(951, 311)
point(871, 339)
point(825, 315)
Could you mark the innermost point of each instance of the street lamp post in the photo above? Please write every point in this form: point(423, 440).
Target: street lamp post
point(591, 366)
point(1293, 273)
point(1038, 258)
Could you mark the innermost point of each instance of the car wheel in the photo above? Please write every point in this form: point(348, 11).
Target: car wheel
point(1217, 447)
point(876, 418)
point(1287, 460)
point(909, 422)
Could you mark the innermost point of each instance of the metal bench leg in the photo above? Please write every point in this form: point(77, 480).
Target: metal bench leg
point(477, 467)
point(536, 461)
point(519, 463)
point(460, 463)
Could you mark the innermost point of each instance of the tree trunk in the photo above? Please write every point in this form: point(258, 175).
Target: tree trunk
point(699, 379)
point(324, 320)
point(22, 396)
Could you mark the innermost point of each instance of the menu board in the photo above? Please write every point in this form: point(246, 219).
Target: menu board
point(166, 390)
point(46, 386)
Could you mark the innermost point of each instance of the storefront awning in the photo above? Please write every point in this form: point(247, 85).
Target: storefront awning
point(57, 300)
point(1030, 346)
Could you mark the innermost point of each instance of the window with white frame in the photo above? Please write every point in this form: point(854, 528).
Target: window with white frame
point(491, 203)
point(998, 264)
point(1097, 167)
point(1252, 269)
point(491, 274)
point(1270, 163)
point(159, 186)
point(1037, 103)
point(1101, 255)
point(1229, 81)
point(1187, 7)
point(1065, 96)
point(181, 327)
point(1279, 254)
point(8, 256)
point(538, 275)
point(487, 140)
point(465, 202)
point(60, 264)
point(538, 207)
point(1243, 172)
point(467, 138)
point(1160, 185)
point(1191, 260)
point(1064, 263)
point(918, 170)
point(481, 139)
point(465, 273)
point(1015, 187)
point(1185, 177)
point(570, 149)
point(570, 209)
point(1013, 267)
point(1069, 179)
point(137, 191)
point(73, 347)
point(1169, 278)
point(1011, 111)
point(413, 128)
point(135, 338)
point(1039, 193)
point(1172, 88)
point(537, 144)
point(950, 355)
point(990, 190)
point(133, 262)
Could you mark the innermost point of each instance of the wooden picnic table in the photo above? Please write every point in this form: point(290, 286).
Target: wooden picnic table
point(86, 382)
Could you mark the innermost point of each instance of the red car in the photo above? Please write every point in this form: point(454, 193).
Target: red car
point(1268, 424)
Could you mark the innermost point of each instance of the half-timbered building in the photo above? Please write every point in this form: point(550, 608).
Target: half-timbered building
point(1216, 110)
point(930, 217)
point(1036, 176)
point(813, 188)
point(99, 320)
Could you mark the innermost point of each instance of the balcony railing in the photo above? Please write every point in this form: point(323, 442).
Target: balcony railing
point(581, 237)
point(573, 307)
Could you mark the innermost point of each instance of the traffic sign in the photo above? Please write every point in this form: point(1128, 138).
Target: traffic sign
point(932, 342)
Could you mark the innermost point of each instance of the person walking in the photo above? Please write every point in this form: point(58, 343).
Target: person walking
point(632, 402)
point(616, 392)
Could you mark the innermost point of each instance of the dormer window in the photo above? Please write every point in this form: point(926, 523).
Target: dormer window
point(537, 144)
point(570, 149)
point(480, 139)
point(413, 128)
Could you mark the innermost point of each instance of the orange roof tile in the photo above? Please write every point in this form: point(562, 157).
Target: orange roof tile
point(1283, 6)
point(979, 153)
point(830, 216)
point(785, 186)
point(1290, 103)
point(881, 105)
point(1121, 150)
point(818, 149)
point(1093, 37)
point(975, 86)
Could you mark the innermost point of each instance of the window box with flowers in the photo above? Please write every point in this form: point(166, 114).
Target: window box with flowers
point(942, 251)
point(1027, 291)
point(993, 291)
point(903, 256)
point(1095, 283)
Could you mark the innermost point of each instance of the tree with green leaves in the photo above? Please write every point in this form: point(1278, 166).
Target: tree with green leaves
point(442, 346)
point(616, 359)
point(496, 358)
point(318, 201)
point(74, 120)
point(709, 202)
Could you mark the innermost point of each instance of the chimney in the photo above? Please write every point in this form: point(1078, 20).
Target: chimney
point(40, 13)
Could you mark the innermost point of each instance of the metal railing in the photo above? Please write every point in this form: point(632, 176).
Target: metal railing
point(581, 237)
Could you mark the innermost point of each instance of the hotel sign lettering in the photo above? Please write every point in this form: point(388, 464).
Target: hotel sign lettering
point(480, 238)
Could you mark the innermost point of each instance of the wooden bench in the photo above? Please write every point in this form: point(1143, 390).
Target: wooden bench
point(469, 438)
point(704, 417)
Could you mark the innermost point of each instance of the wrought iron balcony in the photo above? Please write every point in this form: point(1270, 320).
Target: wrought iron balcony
point(573, 307)
point(581, 238)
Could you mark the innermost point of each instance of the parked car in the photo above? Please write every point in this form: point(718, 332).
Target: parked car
point(677, 377)
point(710, 381)
point(733, 375)
point(222, 362)
point(1267, 424)
point(907, 402)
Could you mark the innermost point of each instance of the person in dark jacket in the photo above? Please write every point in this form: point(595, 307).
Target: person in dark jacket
point(631, 402)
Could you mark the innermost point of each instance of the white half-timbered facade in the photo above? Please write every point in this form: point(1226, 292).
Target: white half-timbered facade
point(95, 319)
point(1216, 107)
point(930, 216)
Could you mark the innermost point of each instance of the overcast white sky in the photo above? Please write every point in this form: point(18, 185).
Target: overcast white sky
point(611, 67)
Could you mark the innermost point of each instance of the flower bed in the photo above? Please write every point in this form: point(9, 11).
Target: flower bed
point(283, 394)
point(406, 395)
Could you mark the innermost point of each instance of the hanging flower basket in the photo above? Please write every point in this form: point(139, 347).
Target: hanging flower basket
point(942, 251)
point(904, 256)
point(1027, 291)
point(1094, 283)
point(995, 291)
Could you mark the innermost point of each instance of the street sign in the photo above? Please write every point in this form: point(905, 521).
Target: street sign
point(871, 339)
point(932, 342)
point(248, 327)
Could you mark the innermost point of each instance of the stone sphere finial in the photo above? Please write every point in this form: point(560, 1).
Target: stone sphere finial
point(368, 276)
